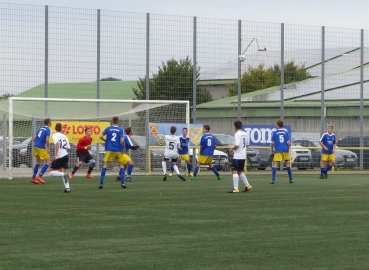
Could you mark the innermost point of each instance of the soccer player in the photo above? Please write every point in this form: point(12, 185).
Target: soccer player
point(129, 145)
point(280, 147)
point(207, 146)
point(41, 151)
point(115, 148)
point(328, 142)
point(172, 145)
point(239, 157)
point(183, 154)
point(83, 155)
point(61, 158)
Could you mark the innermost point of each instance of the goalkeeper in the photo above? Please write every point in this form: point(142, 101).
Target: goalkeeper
point(83, 155)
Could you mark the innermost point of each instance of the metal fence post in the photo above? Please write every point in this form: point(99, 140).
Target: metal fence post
point(147, 128)
point(4, 140)
point(282, 71)
point(322, 106)
point(98, 86)
point(239, 72)
point(46, 86)
point(194, 86)
point(362, 99)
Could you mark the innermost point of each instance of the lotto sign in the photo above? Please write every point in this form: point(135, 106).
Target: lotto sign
point(76, 130)
point(261, 135)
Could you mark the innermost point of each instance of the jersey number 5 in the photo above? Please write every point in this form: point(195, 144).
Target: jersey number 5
point(281, 138)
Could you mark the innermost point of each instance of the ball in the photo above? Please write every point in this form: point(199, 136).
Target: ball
point(241, 58)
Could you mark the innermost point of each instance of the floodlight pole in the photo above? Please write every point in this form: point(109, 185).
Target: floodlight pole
point(239, 65)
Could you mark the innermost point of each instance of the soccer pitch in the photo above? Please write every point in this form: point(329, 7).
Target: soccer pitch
point(310, 224)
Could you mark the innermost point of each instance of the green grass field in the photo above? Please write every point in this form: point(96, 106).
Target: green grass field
point(310, 224)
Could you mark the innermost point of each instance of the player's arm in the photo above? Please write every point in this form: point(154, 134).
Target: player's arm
point(57, 146)
point(272, 147)
point(322, 144)
point(101, 136)
point(123, 144)
point(47, 144)
point(236, 144)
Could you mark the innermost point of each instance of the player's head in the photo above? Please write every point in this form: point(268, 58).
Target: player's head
point(279, 123)
point(237, 124)
point(173, 130)
point(58, 127)
point(205, 128)
point(330, 129)
point(115, 120)
point(128, 131)
point(88, 132)
point(47, 122)
point(184, 132)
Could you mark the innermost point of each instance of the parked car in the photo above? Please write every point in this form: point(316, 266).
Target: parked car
point(301, 158)
point(253, 156)
point(16, 147)
point(354, 141)
point(344, 158)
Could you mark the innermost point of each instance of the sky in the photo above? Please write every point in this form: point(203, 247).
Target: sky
point(331, 13)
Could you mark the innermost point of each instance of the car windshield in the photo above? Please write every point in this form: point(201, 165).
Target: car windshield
point(225, 139)
point(316, 143)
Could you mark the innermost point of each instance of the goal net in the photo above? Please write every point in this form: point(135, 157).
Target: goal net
point(149, 120)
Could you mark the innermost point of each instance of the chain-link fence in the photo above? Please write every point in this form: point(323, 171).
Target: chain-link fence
point(310, 76)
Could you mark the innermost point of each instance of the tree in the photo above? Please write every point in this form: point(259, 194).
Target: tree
point(257, 78)
point(174, 81)
point(110, 79)
point(6, 96)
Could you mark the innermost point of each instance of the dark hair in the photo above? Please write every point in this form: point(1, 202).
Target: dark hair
point(280, 123)
point(87, 129)
point(47, 121)
point(173, 129)
point(184, 128)
point(115, 120)
point(128, 130)
point(58, 127)
point(237, 124)
point(207, 127)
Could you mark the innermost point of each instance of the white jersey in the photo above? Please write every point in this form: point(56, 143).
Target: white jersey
point(171, 146)
point(63, 141)
point(242, 140)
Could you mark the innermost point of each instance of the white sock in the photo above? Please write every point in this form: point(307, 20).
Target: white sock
point(176, 169)
point(244, 179)
point(235, 181)
point(164, 165)
point(56, 173)
point(66, 183)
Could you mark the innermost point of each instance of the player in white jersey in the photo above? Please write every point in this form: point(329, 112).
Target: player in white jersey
point(238, 164)
point(61, 158)
point(172, 145)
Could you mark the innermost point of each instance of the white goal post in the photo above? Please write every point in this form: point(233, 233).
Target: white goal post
point(26, 115)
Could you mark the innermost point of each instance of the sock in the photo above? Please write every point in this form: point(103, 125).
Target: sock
point(322, 170)
point(66, 183)
point(196, 170)
point(56, 173)
point(189, 168)
point(328, 168)
point(35, 170)
point(103, 171)
point(176, 169)
point(44, 169)
point(129, 171)
point(215, 171)
point(74, 169)
point(122, 174)
point(244, 179)
point(171, 168)
point(90, 168)
point(289, 171)
point(235, 181)
point(164, 166)
point(274, 173)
